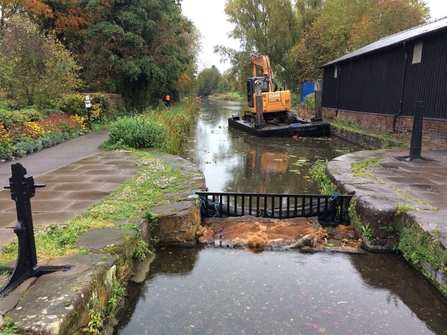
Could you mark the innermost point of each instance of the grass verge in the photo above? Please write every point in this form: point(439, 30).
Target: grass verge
point(130, 201)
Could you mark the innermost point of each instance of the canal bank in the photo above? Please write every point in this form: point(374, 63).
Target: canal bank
point(400, 202)
point(62, 303)
point(83, 299)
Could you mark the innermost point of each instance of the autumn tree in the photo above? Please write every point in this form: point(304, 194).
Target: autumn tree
point(345, 25)
point(263, 27)
point(385, 18)
point(35, 69)
point(192, 46)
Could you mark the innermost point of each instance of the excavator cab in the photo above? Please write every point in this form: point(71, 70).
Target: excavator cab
point(251, 89)
point(273, 101)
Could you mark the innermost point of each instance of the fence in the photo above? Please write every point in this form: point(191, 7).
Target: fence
point(330, 209)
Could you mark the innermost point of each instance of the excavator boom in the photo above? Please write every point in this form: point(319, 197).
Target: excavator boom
point(264, 62)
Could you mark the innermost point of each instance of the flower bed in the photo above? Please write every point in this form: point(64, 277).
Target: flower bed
point(23, 137)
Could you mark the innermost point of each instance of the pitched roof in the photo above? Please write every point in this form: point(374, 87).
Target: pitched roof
point(389, 41)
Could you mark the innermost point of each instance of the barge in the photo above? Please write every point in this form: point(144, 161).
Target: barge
point(280, 127)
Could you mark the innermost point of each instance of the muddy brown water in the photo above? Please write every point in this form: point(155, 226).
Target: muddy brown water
point(208, 290)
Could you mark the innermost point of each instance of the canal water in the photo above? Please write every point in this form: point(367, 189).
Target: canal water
point(208, 290)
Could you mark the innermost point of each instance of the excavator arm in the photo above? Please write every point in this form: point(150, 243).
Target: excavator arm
point(264, 62)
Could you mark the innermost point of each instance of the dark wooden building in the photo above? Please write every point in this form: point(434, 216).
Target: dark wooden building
point(379, 84)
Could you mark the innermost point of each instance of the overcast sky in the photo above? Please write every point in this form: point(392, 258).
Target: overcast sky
point(209, 17)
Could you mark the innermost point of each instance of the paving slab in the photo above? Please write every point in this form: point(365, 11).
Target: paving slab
point(66, 186)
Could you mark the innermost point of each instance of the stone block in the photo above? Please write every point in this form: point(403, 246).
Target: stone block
point(177, 223)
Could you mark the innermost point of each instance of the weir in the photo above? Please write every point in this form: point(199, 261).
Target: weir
point(330, 209)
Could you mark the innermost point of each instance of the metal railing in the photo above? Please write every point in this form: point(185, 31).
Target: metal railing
point(330, 209)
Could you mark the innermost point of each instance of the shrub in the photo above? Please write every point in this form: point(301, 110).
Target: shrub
point(177, 122)
point(137, 132)
point(47, 142)
point(11, 119)
point(62, 123)
point(73, 104)
point(57, 139)
point(5, 143)
point(37, 145)
point(21, 149)
point(309, 101)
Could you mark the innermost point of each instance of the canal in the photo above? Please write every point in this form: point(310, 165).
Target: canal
point(207, 290)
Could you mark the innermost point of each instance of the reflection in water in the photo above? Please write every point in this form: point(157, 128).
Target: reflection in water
point(233, 161)
point(227, 291)
point(238, 292)
point(263, 164)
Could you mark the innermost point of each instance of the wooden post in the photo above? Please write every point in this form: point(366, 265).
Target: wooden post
point(260, 122)
point(318, 100)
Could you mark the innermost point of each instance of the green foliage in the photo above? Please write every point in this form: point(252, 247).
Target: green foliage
point(417, 245)
point(153, 221)
point(95, 324)
point(264, 27)
point(131, 226)
point(404, 208)
point(13, 119)
point(138, 132)
point(116, 296)
point(73, 104)
point(385, 18)
point(5, 144)
point(141, 251)
point(235, 96)
point(208, 81)
point(21, 149)
point(223, 86)
point(361, 167)
point(309, 102)
point(58, 239)
point(366, 231)
point(35, 68)
point(135, 48)
point(9, 326)
point(318, 173)
point(102, 107)
point(177, 121)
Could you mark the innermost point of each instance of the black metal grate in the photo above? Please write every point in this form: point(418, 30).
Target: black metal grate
point(330, 209)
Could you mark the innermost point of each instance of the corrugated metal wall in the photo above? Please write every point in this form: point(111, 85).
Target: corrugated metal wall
point(373, 84)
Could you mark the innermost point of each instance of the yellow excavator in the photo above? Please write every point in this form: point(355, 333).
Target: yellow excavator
point(274, 102)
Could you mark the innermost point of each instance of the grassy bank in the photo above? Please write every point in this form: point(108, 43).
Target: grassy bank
point(161, 128)
point(131, 199)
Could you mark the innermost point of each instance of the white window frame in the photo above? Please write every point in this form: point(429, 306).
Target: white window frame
point(417, 52)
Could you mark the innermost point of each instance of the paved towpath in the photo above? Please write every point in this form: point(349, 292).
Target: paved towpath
point(76, 175)
point(395, 181)
point(57, 156)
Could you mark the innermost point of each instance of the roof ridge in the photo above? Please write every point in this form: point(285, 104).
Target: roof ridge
point(412, 33)
point(415, 27)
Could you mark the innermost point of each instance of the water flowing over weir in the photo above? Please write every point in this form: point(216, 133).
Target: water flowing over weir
point(208, 290)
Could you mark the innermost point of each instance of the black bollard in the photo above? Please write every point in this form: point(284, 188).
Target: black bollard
point(22, 190)
point(416, 135)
